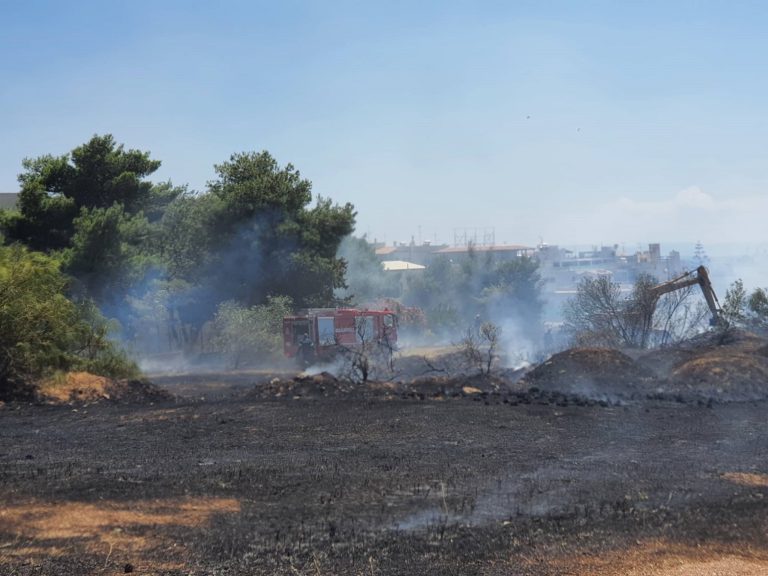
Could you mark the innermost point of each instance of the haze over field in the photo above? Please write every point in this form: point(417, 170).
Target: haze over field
point(589, 122)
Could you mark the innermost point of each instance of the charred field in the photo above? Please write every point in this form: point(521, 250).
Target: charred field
point(280, 475)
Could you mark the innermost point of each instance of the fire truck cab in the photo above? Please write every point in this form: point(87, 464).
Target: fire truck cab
point(319, 333)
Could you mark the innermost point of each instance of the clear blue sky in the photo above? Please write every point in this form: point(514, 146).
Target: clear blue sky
point(575, 122)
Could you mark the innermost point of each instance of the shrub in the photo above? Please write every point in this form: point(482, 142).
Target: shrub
point(254, 333)
point(41, 330)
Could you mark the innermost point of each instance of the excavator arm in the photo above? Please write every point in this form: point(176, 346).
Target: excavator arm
point(709, 294)
point(698, 276)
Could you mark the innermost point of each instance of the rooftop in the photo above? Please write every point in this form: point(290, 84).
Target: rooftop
point(397, 265)
point(492, 248)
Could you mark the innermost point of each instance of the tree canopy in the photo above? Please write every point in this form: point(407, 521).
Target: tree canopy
point(56, 189)
point(267, 238)
point(149, 253)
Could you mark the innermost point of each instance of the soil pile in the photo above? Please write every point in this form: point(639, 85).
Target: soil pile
point(84, 387)
point(711, 367)
point(592, 373)
point(727, 368)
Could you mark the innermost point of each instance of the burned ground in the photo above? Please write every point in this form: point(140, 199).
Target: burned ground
point(312, 475)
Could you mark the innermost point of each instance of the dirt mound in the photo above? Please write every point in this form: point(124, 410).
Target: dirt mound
point(730, 367)
point(713, 367)
point(728, 376)
point(663, 361)
point(84, 387)
point(591, 372)
point(734, 338)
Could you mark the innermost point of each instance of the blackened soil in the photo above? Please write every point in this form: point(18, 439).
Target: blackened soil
point(381, 484)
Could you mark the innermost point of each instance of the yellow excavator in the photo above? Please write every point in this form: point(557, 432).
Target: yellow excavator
point(698, 276)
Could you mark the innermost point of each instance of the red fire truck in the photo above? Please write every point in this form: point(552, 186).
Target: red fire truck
point(320, 333)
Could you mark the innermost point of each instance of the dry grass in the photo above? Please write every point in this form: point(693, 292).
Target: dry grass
point(430, 352)
point(747, 479)
point(664, 558)
point(738, 366)
point(116, 530)
point(74, 386)
point(87, 388)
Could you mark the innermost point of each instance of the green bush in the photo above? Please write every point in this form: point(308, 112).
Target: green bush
point(41, 330)
point(747, 310)
point(254, 333)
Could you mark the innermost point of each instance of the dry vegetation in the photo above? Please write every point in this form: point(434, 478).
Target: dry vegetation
point(84, 387)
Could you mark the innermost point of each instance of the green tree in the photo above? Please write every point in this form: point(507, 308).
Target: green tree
point(267, 238)
point(54, 190)
point(161, 196)
point(437, 292)
point(455, 293)
point(758, 306)
point(41, 329)
point(35, 316)
point(744, 309)
point(186, 237)
point(250, 333)
point(108, 252)
point(734, 308)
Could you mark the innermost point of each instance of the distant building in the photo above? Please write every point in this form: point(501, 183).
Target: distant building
point(653, 263)
point(562, 269)
point(566, 266)
point(426, 253)
point(498, 251)
point(400, 266)
point(421, 254)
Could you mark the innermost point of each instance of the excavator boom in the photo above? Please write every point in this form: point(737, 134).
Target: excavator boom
point(698, 276)
point(709, 294)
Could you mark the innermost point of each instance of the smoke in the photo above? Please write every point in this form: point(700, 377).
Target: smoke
point(165, 323)
point(519, 347)
point(366, 279)
point(730, 262)
point(174, 363)
point(337, 367)
point(456, 295)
